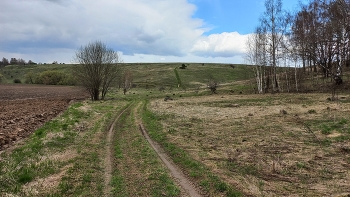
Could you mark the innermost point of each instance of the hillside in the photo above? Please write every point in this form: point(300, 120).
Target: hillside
point(151, 75)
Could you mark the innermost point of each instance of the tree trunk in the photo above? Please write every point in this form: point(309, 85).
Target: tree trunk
point(96, 94)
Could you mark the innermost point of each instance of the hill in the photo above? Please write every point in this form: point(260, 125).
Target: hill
point(152, 75)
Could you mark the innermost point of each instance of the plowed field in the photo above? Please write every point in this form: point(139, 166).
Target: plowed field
point(24, 108)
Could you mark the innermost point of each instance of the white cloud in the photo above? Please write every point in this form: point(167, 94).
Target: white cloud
point(226, 44)
point(188, 58)
point(51, 30)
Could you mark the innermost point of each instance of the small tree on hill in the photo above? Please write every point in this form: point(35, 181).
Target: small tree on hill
point(212, 86)
point(127, 79)
point(13, 61)
point(98, 68)
point(21, 62)
point(5, 61)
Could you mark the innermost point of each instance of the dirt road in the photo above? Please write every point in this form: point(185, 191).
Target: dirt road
point(187, 188)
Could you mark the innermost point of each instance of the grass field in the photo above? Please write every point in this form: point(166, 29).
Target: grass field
point(153, 76)
point(265, 145)
point(228, 144)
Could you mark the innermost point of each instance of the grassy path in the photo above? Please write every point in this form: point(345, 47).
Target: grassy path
point(138, 170)
point(109, 156)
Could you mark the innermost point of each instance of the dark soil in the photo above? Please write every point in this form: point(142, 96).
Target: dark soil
point(25, 108)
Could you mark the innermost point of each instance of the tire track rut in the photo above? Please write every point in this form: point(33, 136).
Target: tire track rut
point(176, 173)
point(109, 155)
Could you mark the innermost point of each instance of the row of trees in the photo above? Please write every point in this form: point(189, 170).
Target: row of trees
point(14, 61)
point(316, 37)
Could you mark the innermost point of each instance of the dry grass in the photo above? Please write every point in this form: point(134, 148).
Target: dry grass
point(272, 145)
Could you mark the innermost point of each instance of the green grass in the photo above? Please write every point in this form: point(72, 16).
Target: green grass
point(178, 78)
point(24, 164)
point(139, 172)
point(153, 76)
point(84, 172)
point(12, 72)
point(340, 126)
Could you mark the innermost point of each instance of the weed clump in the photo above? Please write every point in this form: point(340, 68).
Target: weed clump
point(17, 81)
point(167, 98)
point(183, 66)
point(312, 111)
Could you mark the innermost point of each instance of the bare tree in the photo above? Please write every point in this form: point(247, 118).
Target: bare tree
point(13, 61)
point(257, 54)
point(30, 62)
point(127, 79)
point(273, 26)
point(21, 62)
point(97, 69)
point(321, 31)
point(5, 61)
point(212, 85)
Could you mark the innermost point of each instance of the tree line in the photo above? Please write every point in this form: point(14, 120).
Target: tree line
point(15, 61)
point(315, 40)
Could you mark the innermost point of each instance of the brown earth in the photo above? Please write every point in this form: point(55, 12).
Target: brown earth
point(25, 108)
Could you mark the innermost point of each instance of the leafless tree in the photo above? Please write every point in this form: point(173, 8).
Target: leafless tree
point(21, 62)
point(5, 61)
point(265, 48)
point(321, 31)
point(30, 62)
point(98, 68)
point(274, 25)
point(256, 55)
point(212, 85)
point(127, 79)
point(13, 61)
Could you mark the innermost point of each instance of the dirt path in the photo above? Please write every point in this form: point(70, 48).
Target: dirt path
point(186, 185)
point(109, 156)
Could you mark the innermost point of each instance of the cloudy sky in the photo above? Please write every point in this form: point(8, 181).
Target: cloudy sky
point(141, 30)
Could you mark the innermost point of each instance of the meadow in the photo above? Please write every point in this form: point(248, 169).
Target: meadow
point(233, 143)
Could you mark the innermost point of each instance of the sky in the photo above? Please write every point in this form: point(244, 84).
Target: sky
point(204, 31)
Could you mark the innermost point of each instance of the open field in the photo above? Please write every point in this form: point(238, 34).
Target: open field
point(25, 108)
point(227, 144)
point(265, 145)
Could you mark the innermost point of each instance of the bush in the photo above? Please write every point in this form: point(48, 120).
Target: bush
point(183, 66)
point(17, 81)
point(30, 77)
point(52, 77)
point(312, 111)
point(212, 86)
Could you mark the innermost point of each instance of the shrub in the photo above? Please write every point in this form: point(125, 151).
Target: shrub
point(17, 81)
point(52, 77)
point(183, 66)
point(312, 111)
point(30, 77)
point(212, 86)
